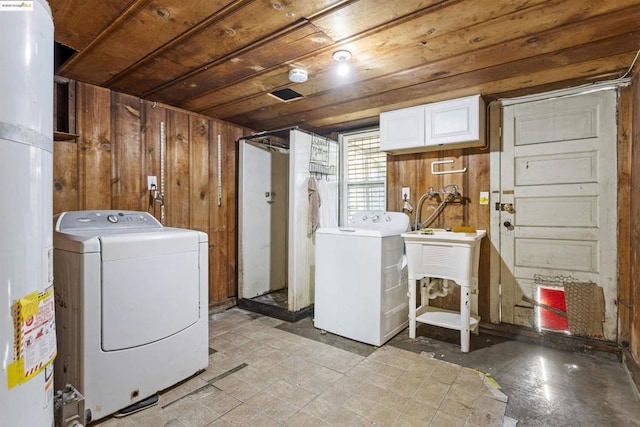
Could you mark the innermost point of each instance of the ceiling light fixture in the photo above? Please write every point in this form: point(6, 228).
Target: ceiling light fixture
point(298, 75)
point(342, 56)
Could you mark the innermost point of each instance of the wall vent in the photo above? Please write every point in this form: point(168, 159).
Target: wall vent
point(286, 95)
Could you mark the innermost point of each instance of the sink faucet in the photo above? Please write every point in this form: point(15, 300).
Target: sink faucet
point(450, 191)
point(453, 192)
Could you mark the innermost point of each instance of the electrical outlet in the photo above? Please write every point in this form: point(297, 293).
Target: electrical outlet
point(406, 193)
point(152, 183)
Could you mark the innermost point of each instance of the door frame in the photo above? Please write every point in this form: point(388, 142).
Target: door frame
point(495, 114)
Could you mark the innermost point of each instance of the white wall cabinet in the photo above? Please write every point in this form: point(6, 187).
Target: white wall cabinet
point(457, 123)
point(401, 129)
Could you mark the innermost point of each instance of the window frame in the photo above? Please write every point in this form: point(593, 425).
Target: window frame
point(343, 140)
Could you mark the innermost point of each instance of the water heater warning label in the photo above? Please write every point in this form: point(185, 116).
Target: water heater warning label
point(35, 336)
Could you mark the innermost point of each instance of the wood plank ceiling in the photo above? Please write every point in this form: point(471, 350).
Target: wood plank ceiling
point(223, 58)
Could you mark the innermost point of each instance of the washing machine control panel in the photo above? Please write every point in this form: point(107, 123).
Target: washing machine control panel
point(105, 219)
point(380, 220)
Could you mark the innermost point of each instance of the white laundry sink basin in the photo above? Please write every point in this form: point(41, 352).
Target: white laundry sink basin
point(443, 254)
point(442, 236)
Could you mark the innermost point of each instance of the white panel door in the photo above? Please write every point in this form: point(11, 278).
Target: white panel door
point(558, 170)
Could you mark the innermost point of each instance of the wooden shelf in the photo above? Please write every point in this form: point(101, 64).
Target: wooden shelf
point(64, 136)
point(64, 110)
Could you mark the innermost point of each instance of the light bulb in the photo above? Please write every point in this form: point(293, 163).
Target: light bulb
point(343, 69)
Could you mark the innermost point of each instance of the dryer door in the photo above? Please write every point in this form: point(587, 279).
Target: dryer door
point(150, 287)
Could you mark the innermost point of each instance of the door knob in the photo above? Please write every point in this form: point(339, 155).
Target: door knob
point(507, 224)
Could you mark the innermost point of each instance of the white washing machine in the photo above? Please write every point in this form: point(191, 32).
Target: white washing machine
point(359, 292)
point(131, 306)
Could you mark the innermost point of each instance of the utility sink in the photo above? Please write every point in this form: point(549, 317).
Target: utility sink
point(443, 254)
point(451, 256)
point(443, 236)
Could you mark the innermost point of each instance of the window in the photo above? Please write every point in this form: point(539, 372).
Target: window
point(363, 174)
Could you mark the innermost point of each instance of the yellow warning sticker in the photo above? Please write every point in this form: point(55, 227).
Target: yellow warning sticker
point(35, 336)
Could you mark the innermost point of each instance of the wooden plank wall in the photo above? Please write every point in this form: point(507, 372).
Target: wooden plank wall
point(624, 147)
point(118, 146)
point(634, 263)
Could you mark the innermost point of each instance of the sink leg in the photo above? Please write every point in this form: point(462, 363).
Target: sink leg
point(412, 307)
point(465, 316)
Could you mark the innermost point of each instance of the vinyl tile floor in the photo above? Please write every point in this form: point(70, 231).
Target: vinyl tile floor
point(263, 373)
point(266, 372)
point(546, 387)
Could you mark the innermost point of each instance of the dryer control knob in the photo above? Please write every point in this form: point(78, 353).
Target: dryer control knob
point(112, 218)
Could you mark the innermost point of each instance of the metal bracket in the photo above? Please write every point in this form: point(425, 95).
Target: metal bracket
point(69, 408)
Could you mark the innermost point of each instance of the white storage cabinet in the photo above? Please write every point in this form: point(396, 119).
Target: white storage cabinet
point(457, 123)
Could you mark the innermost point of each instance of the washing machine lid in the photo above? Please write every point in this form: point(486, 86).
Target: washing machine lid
point(71, 221)
point(373, 224)
point(80, 231)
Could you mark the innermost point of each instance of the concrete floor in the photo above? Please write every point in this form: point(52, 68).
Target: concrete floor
point(544, 386)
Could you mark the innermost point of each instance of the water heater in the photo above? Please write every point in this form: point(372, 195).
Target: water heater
point(27, 325)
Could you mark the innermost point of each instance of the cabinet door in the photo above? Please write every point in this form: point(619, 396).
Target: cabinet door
point(402, 129)
point(459, 121)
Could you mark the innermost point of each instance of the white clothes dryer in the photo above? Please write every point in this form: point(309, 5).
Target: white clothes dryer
point(359, 292)
point(131, 306)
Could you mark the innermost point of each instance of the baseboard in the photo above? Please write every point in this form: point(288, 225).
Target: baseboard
point(274, 311)
point(219, 307)
point(633, 368)
point(553, 340)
